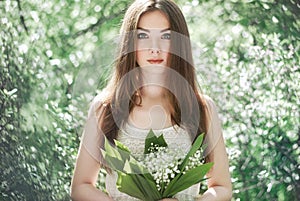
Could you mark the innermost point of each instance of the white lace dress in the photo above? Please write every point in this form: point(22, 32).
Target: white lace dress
point(134, 138)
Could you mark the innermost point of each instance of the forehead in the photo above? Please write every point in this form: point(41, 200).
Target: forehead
point(153, 20)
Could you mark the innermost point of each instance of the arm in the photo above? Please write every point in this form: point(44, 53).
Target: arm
point(219, 182)
point(88, 160)
point(85, 177)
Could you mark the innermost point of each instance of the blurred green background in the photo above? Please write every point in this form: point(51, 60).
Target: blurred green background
point(55, 56)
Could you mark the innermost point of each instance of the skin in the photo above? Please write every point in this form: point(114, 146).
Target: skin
point(154, 106)
point(152, 55)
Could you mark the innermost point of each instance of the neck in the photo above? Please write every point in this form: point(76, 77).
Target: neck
point(153, 94)
point(153, 113)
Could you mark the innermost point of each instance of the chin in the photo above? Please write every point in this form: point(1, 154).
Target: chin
point(154, 69)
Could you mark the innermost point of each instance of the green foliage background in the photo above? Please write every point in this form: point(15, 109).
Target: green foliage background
point(55, 55)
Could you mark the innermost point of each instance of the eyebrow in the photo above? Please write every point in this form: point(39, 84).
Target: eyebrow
point(148, 30)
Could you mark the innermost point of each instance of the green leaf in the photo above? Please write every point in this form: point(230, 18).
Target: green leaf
point(120, 158)
point(191, 177)
point(113, 162)
point(121, 146)
point(152, 139)
point(141, 186)
point(196, 145)
point(134, 168)
point(137, 166)
point(125, 155)
point(126, 184)
point(110, 150)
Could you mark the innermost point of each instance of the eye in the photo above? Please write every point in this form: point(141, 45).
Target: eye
point(166, 36)
point(142, 36)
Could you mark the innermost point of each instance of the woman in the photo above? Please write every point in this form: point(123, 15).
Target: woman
point(153, 87)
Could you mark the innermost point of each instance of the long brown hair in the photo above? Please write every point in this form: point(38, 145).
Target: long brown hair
point(123, 92)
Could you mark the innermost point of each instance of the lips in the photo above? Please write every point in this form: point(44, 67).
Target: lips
point(155, 61)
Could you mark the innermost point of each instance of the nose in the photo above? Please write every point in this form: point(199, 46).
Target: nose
point(154, 51)
point(154, 48)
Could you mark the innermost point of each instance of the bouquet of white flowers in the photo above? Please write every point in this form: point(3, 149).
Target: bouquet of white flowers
point(162, 173)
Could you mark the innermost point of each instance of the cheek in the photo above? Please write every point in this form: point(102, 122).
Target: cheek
point(165, 46)
point(166, 55)
point(140, 55)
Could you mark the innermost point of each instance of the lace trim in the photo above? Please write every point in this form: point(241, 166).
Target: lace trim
point(134, 138)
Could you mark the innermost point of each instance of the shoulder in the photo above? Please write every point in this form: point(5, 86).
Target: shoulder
point(210, 103)
point(212, 109)
point(98, 102)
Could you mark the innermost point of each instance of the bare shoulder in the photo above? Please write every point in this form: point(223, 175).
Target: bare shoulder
point(98, 102)
point(210, 103)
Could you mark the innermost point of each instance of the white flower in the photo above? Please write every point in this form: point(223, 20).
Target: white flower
point(163, 163)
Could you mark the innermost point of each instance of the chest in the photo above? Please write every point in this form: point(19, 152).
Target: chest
point(154, 117)
point(134, 138)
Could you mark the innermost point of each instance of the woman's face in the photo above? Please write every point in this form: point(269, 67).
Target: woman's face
point(153, 39)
